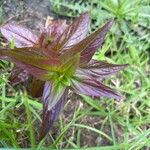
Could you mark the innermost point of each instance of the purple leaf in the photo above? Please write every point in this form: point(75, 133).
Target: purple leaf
point(35, 71)
point(84, 84)
point(100, 69)
point(56, 93)
point(51, 32)
point(32, 56)
point(34, 86)
point(50, 116)
point(73, 34)
point(87, 54)
point(55, 28)
point(18, 75)
point(23, 37)
point(39, 73)
point(88, 45)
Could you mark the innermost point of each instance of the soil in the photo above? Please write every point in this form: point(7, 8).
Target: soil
point(31, 13)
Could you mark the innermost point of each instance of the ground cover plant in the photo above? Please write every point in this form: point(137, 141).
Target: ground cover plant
point(103, 123)
point(62, 57)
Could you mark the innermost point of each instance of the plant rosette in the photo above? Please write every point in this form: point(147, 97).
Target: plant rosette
point(60, 56)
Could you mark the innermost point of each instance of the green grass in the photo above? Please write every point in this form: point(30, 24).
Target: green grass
point(120, 125)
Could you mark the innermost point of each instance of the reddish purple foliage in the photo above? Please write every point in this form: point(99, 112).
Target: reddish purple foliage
point(61, 57)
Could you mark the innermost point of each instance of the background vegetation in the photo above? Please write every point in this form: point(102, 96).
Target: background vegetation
point(103, 123)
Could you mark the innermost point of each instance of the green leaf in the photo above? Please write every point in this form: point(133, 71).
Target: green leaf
point(70, 66)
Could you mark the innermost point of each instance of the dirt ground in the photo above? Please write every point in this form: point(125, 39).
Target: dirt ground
point(31, 13)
